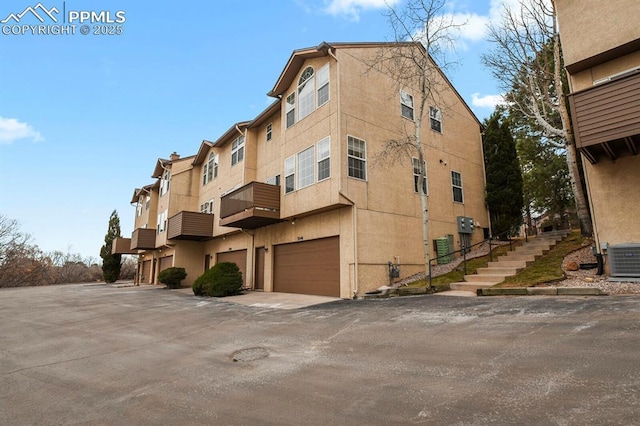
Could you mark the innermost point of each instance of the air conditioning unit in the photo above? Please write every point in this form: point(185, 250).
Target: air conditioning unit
point(624, 261)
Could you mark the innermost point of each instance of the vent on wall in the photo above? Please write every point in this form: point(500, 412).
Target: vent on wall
point(617, 76)
point(624, 260)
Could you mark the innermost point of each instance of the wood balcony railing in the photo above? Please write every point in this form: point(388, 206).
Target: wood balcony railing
point(193, 226)
point(143, 239)
point(252, 206)
point(606, 119)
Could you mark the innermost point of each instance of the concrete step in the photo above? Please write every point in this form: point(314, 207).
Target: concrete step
point(534, 247)
point(486, 278)
point(492, 270)
point(472, 287)
point(528, 252)
point(508, 264)
point(456, 293)
point(520, 258)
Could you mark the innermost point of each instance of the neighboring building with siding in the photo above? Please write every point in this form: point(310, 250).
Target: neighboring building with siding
point(296, 196)
point(601, 47)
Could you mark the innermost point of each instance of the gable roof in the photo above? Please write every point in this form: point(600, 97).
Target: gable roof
point(144, 190)
point(221, 141)
point(163, 163)
point(299, 56)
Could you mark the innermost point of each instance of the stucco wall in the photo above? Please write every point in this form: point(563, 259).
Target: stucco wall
point(614, 199)
point(588, 29)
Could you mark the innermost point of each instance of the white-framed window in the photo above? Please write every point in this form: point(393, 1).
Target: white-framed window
point(237, 150)
point(207, 207)
point(148, 202)
point(435, 119)
point(306, 167)
point(324, 158)
point(323, 85)
point(164, 182)
point(274, 180)
point(306, 93)
point(406, 105)
point(162, 222)
point(289, 174)
point(291, 109)
point(456, 185)
point(416, 175)
point(269, 131)
point(357, 158)
point(139, 206)
point(312, 93)
point(210, 169)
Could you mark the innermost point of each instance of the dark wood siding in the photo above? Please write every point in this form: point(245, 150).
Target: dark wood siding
point(251, 206)
point(239, 257)
point(122, 246)
point(607, 112)
point(308, 267)
point(190, 226)
point(143, 238)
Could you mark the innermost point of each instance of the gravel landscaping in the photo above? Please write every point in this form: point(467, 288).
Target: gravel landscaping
point(589, 278)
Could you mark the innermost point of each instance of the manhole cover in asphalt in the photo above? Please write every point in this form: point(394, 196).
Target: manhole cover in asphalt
point(250, 354)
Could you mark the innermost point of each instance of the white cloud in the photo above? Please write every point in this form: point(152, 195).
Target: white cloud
point(352, 8)
point(12, 130)
point(487, 101)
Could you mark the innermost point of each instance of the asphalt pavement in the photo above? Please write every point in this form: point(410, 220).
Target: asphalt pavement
point(82, 354)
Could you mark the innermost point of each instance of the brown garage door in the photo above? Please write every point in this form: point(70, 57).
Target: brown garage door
point(146, 277)
point(308, 267)
point(239, 257)
point(165, 262)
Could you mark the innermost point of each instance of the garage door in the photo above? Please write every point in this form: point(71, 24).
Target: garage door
point(308, 267)
point(165, 262)
point(146, 272)
point(239, 257)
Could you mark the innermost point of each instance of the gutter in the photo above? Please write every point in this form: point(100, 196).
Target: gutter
point(354, 212)
point(354, 219)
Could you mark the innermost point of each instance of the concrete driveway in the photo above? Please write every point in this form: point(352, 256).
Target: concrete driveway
point(102, 355)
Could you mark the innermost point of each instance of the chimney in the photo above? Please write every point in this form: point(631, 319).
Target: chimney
point(174, 156)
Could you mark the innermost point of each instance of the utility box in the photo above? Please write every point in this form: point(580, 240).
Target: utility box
point(465, 225)
point(443, 249)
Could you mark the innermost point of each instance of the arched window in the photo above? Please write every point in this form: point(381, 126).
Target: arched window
point(306, 93)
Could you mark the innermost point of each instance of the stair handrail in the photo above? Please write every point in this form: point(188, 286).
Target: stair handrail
point(465, 250)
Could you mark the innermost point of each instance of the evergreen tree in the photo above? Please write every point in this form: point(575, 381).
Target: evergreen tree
point(504, 179)
point(111, 263)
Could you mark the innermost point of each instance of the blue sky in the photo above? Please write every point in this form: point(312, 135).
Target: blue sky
point(83, 118)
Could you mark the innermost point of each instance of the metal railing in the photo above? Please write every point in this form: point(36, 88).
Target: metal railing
point(465, 250)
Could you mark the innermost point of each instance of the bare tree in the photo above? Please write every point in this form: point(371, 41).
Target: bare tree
point(527, 61)
point(423, 36)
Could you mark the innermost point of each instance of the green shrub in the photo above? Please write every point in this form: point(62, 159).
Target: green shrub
point(224, 279)
point(172, 277)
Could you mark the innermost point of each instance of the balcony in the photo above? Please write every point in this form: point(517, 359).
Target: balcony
point(251, 206)
point(122, 246)
point(192, 226)
point(143, 239)
point(606, 119)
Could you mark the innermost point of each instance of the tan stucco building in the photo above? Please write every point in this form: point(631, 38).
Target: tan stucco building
point(298, 197)
point(601, 46)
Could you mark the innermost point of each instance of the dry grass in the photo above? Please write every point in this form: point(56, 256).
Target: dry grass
point(547, 268)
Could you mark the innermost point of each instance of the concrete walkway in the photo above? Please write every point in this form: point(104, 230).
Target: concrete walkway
point(271, 300)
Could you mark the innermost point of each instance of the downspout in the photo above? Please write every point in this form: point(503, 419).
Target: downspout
point(252, 253)
point(354, 223)
point(354, 212)
point(244, 134)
